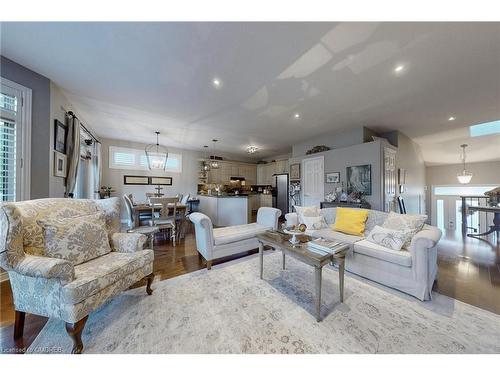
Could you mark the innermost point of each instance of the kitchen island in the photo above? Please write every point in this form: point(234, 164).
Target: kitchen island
point(225, 210)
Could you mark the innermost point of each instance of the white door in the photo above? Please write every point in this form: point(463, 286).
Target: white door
point(313, 181)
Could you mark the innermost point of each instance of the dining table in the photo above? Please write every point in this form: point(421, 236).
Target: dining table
point(141, 208)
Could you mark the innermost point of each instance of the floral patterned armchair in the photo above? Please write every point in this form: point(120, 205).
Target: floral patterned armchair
point(71, 287)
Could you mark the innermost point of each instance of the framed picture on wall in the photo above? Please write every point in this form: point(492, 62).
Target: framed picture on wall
point(160, 181)
point(295, 171)
point(332, 178)
point(59, 164)
point(60, 135)
point(359, 179)
point(135, 180)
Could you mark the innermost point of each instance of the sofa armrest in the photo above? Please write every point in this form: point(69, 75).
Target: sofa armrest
point(204, 232)
point(426, 238)
point(128, 242)
point(291, 219)
point(45, 267)
point(268, 217)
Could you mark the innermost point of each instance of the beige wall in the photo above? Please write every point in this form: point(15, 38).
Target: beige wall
point(182, 183)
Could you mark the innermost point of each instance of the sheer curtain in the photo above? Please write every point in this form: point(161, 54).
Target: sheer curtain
point(73, 154)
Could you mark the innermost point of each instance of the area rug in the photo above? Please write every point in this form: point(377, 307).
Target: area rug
point(231, 310)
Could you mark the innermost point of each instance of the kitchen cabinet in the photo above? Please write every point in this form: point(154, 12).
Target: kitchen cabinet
point(228, 169)
point(265, 171)
point(266, 200)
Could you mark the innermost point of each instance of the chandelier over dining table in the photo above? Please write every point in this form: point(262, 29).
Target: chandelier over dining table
point(156, 154)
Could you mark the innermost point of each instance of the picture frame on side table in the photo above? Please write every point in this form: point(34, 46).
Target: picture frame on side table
point(60, 136)
point(295, 171)
point(59, 164)
point(332, 178)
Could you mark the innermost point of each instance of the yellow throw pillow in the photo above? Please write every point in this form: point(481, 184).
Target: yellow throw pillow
point(350, 221)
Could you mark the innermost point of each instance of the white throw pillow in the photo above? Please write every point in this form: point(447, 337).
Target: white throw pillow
point(393, 239)
point(315, 222)
point(306, 211)
point(404, 222)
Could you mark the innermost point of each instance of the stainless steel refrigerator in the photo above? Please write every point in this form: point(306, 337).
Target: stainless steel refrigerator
point(280, 192)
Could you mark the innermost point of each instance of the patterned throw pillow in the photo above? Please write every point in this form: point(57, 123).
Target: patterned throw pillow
point(77, 239)
point(411, 223)
point(315, 222)
point(303, 211)
point(393, 239)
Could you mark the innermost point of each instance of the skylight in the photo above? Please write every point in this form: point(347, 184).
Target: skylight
point(486, 128)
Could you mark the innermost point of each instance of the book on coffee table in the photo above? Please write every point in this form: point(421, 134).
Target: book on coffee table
point(325, 246)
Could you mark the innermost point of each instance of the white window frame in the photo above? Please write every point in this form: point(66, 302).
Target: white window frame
point(26, 95)
point(137, 165)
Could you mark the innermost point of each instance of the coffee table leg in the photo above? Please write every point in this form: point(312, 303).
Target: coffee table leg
point(317, 275)
point(261, 256)
point(341, 278)
point(283, 253)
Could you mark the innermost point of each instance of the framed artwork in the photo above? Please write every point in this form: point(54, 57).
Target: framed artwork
point(332, 178)
point(135, 180)
point(295, 171)
point(359, 179)
point(59, 164)
point(60, 135)
point(160, 181)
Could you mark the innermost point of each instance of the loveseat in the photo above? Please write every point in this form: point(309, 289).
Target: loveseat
point(220, 242)
point(412, 271)
point(72, 285)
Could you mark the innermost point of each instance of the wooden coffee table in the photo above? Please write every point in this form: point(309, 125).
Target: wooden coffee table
point(279, 241)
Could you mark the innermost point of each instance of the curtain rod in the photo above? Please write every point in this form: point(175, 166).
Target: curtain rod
point(70, 113)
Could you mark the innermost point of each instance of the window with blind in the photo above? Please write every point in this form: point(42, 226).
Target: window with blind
point(134, 159)
point(15, 141)
point(8, 165)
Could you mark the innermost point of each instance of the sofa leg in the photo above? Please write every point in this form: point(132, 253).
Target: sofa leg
point(75, 332)
point(150, 278)
point(19, 324)
point(209, 265)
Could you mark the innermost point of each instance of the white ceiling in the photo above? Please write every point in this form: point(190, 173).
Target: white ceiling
point(129, 79)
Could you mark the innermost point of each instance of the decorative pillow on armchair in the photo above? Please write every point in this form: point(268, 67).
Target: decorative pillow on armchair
point(77, 239)
point(306, 211)
point(404, 222)
point(393, 239)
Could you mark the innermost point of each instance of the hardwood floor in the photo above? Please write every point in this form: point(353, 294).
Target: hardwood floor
point(468, 271)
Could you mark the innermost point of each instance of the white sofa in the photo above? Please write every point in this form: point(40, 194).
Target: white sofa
point(220, 242)
point(412, 271)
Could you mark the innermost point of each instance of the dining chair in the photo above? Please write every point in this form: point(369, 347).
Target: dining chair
point(166, 219)
point(185, 199)
point(147, 230)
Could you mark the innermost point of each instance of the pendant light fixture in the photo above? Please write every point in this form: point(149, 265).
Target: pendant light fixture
point(206, 163)
point(214, 164)
point(156, 155)
point(464, 177)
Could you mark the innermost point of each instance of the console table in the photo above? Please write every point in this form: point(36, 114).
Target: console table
point(344, 204)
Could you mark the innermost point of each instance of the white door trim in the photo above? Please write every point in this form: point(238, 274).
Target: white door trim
point(26, 95)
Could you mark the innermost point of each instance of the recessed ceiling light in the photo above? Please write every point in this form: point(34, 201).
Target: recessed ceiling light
point(217, 82)
point(297, 115)
point(252, 149)
point(399, 68)
point(451, 118)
